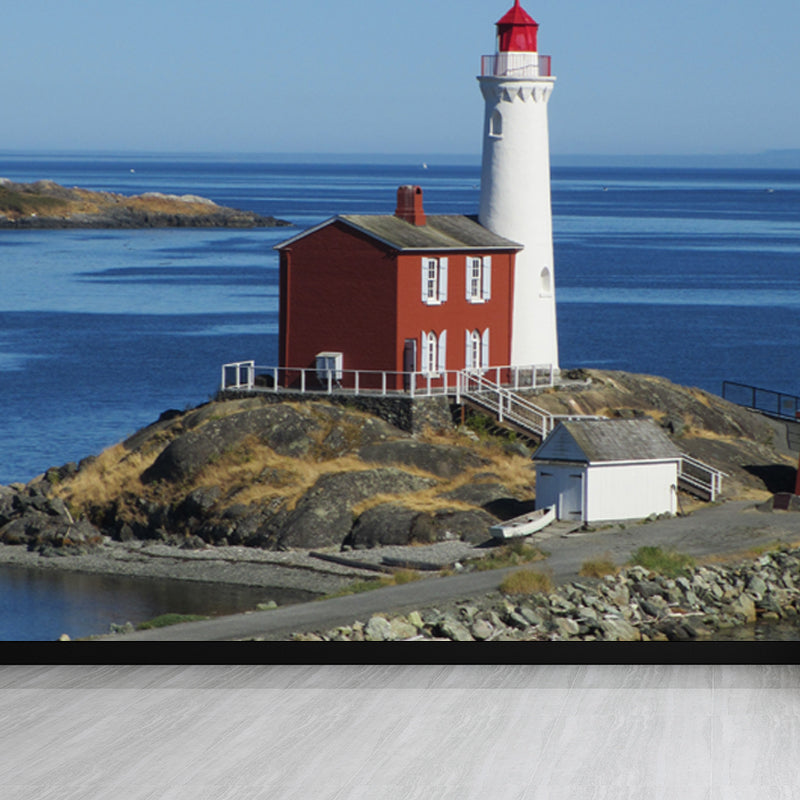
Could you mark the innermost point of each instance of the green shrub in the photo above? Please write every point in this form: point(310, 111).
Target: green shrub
point(516, 553)
point(668, 563)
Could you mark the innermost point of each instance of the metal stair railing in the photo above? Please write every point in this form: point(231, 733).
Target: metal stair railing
point(508, 405)
point(505, 404)
point(700, 476)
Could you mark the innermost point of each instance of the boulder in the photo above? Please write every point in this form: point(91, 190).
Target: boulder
point(481, 629)
point(378, 630)
point(324, 515)
point(385, 524)
point(743, 606)
point(49, 533)
point(198, 503)
point(616, 629)
point(451, 628)
point(394, 524)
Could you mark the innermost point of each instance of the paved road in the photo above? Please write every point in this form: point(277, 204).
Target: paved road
point(725, 529)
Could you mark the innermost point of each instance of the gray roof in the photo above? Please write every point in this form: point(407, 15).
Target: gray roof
point(621, 439)
point(441, 232)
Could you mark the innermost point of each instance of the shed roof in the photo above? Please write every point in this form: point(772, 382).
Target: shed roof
point(610, 440)
point(441, 232)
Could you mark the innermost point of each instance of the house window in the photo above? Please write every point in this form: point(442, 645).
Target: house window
point(476, 345)
point(434, 281)
point(479, 279)
point(434, 352)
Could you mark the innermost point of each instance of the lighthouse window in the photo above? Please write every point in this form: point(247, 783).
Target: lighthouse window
point(496, 124)
point(434, 281)
point(546, 283)
point(479, 279)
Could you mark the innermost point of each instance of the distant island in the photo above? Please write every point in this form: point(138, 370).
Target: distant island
point(46, 204)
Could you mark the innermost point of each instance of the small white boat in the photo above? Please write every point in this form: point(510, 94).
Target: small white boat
point(524, 525)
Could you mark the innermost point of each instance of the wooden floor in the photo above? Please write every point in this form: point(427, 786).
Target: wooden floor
point(378, 732)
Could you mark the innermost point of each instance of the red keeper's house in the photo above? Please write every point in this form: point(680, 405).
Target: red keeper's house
point(391, 295)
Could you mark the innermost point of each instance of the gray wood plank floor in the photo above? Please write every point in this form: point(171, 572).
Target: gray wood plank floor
point(411, 732)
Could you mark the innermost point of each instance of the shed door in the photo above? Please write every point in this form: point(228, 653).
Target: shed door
point(571, 499)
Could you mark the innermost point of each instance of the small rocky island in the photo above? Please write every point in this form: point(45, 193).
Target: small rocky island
point(315, 496)
point(45, 204)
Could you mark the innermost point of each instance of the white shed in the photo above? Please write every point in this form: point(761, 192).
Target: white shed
point(607, 469)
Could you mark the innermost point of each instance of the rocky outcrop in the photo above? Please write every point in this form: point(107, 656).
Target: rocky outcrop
point(324, 516)
point(288, 475)
point(282, 428)
point(394, 524)
point(28, 516)
point(634, 605)
point(270, 472)
point(443, 460)
point(45, 204)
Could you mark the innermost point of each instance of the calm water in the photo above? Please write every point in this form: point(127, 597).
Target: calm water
point(690, 274)
point(41, 605)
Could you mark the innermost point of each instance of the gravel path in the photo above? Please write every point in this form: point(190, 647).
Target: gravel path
point(243, 566)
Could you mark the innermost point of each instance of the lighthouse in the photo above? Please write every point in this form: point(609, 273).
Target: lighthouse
point(516, 83)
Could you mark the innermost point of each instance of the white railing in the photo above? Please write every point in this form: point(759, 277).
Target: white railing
point(516, 65)
point(506, 405)
point(246, 376)
point(238, 375)
point(700, 476)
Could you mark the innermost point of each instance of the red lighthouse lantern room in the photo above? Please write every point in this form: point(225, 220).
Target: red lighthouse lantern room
point(516, 31)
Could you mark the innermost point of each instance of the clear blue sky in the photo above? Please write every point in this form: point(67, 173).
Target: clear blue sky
point(374, 76)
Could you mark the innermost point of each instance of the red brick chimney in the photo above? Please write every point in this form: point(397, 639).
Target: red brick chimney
point(409, 205)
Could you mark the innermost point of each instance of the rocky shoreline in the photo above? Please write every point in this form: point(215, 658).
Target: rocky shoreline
point(307, 495)
point(633, 605)
point(47, 205)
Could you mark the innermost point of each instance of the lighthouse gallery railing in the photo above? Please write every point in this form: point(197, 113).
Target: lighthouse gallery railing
point(516, 65)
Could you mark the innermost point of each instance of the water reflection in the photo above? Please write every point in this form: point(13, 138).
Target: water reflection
point(43, 604)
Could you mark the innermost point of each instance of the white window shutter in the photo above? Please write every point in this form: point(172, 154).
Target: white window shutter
point(442, 351)
point(442, 280)
point(468, 276)
point(424, 271)
point(468, 351)
point(487, 278)
point(423, 349)
point(485, 348)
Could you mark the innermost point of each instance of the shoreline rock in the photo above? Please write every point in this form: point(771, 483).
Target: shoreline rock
point(633, 605)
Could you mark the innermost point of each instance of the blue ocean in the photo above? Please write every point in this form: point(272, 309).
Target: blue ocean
point(693, 274)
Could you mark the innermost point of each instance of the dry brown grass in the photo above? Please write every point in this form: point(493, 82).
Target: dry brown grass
point(252, 472)
point(115, 472)
point(526, 582)
point(598, 567)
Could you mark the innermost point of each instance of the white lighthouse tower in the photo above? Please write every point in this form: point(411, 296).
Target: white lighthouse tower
point(515, 180)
